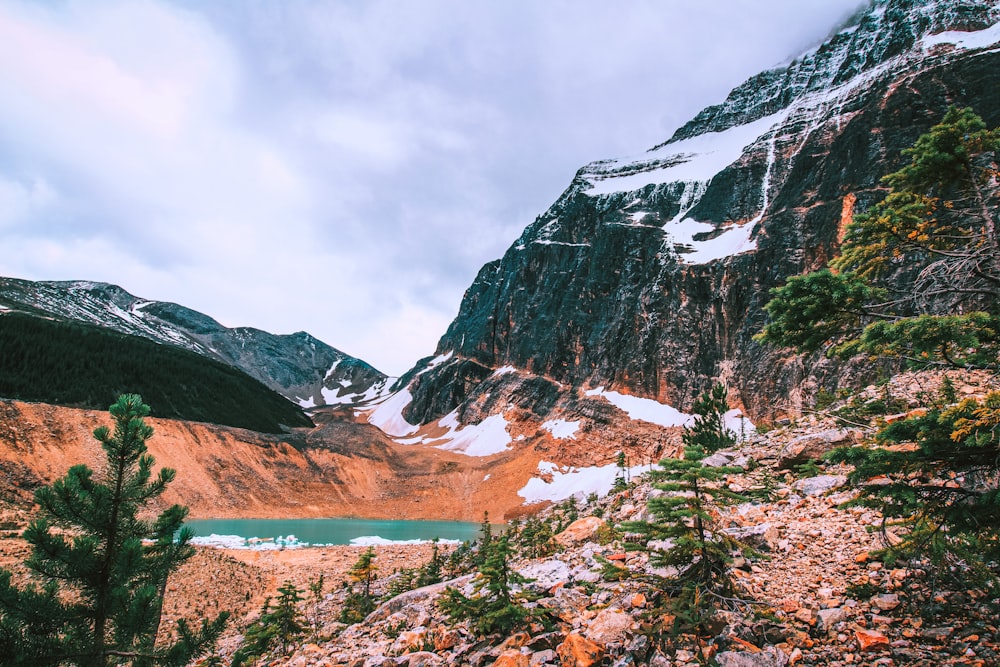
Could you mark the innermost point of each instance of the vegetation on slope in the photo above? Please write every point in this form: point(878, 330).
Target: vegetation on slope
point(85, 366)
point(103, 569)
point(918, 279)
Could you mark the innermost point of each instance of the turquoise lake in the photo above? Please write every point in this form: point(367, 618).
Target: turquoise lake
point(277, 533)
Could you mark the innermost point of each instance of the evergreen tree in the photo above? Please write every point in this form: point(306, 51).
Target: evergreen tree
point(621, 478)
point(102, 568)
point(492, 608)
point(276, 628)
point(360, 604)
point(941, 486)
point(918, 278)
point(697, 549)
point(430, 573)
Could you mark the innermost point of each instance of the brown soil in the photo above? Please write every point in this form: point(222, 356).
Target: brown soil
point(338, 469)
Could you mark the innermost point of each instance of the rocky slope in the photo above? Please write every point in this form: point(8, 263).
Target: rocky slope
point(822, 593)
point(648, 275)
point(297, 366)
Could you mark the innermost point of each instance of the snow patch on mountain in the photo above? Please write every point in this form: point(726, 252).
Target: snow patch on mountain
point(562, 429)
point(644, 409)
point(488, 437)
point(965, 40)
point(696, 159)
point(572, 481)
point(388, 415)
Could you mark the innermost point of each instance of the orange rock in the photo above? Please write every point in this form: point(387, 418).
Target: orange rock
point(512, 658)
point(618, 557)
point(744, 645)
point(788, 606)
point(578, 651)
point(871, 640)
point(446, 640)
point(580, 530)
point(862, 557)
point(638, 601)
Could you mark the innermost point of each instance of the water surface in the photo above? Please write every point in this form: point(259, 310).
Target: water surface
point(276, 533)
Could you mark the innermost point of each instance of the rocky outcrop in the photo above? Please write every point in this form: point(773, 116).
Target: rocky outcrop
point(649, 275)
point(297, 366)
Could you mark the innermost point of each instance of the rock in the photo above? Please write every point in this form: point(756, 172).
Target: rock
point(827, 618)
point(420, 659)
point(768, 657)
point(937, 634)
point(543, 657)
point(716, 460)
point(580, 531)
point(411, 603)
point(805, 615)
point(813, 446)
point(763, 536)
point(411, 640)
point(567, 604)
point(814, 486)
point(578, 651)
point(886, 601)
point(512, 658)
point(547, 573)
point(870, 640)
point(610, 626)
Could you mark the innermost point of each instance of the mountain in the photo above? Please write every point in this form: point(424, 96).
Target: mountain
point(646, 279)
point(298, 366)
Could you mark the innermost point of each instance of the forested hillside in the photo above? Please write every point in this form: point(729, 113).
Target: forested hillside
point(84, 366)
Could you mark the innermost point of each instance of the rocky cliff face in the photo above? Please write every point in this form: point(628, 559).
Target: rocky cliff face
point(649, 274)
point(298, 366)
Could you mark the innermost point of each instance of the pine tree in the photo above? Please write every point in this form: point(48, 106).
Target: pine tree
point(941, 485)
point(918, 276)
point(918, 279)
point(621, 478)
point(360, 604)
point(102, 568)
point(276, 627)
point(492, 608)
point(430, 573)
point(697, 549)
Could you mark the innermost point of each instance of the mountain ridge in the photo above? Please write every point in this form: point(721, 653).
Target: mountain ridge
point(648, 275)
point(298, 366)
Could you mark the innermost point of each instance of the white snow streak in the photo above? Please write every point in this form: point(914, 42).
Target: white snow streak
point(965, 40)
point(388, 415)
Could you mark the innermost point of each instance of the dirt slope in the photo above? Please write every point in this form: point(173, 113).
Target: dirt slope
point(336, 469)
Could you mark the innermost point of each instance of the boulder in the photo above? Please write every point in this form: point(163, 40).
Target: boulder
point(815, 486)
point(768, 657)
point(578, 651)
point(813, 446)
point(827, 618)
point(580, 531)
point(512, 658)
point(610, 626)
point(870, 640)
point(547, 573)
point(419, 659)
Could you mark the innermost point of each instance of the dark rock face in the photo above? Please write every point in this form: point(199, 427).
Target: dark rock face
point(650, 275)
point(298, 366)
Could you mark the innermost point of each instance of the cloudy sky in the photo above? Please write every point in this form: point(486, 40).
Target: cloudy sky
point(342, 167)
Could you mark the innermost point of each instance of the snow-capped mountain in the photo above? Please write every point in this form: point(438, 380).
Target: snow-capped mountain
point(647, 277)
point(300, 367)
